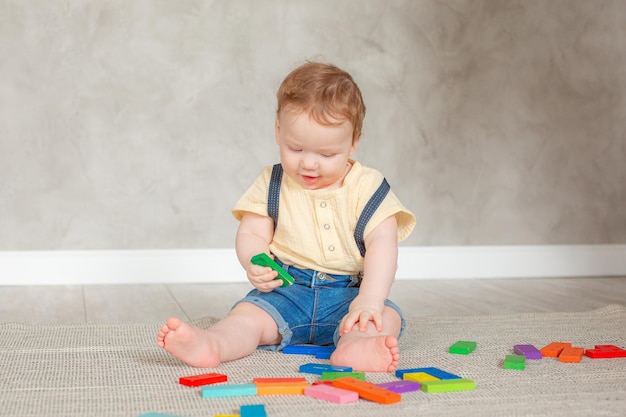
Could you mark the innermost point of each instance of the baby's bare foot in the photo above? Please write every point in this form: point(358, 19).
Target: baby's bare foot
point(190, 344)
point(368, 354)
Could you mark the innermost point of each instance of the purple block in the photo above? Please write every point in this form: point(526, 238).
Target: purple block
point(529, 351)
point(400, 386)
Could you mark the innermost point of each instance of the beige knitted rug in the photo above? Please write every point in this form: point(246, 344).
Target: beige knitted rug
point(117, 370)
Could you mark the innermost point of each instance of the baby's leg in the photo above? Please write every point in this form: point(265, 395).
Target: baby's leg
point(371, 350)
point(237, 335)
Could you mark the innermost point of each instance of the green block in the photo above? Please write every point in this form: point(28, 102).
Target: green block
point(514, 362)
point(331, 376)
point(262, 259)
point(463, 347)
point(448, 385)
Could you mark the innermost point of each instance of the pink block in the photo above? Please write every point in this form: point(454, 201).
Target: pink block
point(332, 394)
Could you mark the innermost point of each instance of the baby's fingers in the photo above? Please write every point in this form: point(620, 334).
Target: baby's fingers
point(377, 319)
point(348, 322)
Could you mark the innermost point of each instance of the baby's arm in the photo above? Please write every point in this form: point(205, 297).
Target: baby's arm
point(253, 237)
point(381, 258)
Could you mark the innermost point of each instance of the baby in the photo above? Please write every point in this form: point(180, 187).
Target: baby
point(337, 235)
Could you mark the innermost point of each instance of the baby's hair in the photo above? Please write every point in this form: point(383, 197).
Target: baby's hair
point(327, 93)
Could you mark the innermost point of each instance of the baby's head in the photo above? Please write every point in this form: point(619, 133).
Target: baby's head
point(324, 92)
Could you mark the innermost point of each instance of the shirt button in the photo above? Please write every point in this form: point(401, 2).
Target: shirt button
point(331, 248)
point(323, 204)
point(327, 226)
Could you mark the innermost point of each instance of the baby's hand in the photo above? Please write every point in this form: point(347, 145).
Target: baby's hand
point(362, 316)
point(262, 278)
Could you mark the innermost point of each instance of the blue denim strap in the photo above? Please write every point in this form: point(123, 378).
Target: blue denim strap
point(367, 213)
point(273, 194)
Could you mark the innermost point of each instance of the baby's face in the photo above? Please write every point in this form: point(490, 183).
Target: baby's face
point(312, 154)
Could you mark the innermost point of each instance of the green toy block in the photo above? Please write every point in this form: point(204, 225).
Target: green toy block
point(514, 362)
point(262, 259)
point(448, 385)
point(331, 376)
point(463, 347)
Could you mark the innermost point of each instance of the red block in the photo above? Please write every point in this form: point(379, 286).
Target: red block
point(605, 352)
point(204, 379)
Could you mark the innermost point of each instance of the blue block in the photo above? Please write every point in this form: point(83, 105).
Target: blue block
point(308, 350)
point(253, 410)
point(436, 372)
point(319, 368)
point(228, 390)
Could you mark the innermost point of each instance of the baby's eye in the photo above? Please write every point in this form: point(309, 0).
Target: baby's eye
point(295, 150)
point(328, 155)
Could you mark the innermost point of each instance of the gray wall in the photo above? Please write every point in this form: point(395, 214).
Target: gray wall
point(137, 124)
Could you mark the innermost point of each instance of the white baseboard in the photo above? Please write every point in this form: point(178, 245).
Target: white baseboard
point(221, 265)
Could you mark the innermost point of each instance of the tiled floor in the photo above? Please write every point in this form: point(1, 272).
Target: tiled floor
point(154, 303)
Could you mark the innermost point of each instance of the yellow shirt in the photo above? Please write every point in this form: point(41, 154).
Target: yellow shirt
point(316, 227)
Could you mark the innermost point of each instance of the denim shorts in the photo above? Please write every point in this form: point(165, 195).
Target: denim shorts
point(310, 310)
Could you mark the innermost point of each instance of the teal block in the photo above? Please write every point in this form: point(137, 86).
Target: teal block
point(252, 410)
point(228, 390)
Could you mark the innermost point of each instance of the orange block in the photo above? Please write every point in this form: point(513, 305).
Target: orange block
point(571, 354)
point(554, 349)
point(287, 388)
point(368, 391)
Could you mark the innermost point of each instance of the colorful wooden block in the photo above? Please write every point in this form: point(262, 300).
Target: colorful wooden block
point(514, 362)
point(322, 383)
point(324, 354)
point(318, 368)
point(554, 349)
point(606, 352)
point(252, 410)
point(436, 372)
point(571, 354)
point(203, 379)
point(463, 347)
point(419, 377)
point(368, 391)
point(400, 386)
point(308, 350)
point(529, 351)
point(289, 388)
point(331, 393)
point(448, 385)
point(228, 390)
point(331, 376)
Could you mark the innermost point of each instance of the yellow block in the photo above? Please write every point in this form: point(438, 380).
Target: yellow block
point(420, 377)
